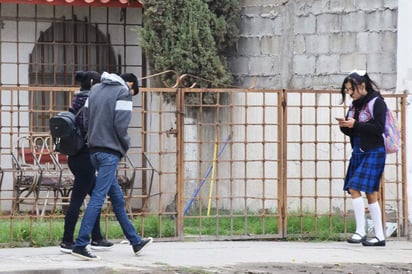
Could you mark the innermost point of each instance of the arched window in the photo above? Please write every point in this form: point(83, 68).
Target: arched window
point(65, 47)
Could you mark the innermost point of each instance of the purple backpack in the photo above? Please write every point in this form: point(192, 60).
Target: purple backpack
point(392, 133)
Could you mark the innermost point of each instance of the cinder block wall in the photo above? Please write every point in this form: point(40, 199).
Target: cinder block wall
point(305, 44)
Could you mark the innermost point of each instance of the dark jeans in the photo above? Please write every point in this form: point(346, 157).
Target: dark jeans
point(85, 178)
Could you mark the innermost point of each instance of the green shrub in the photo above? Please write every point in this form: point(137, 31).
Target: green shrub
point(190, 37)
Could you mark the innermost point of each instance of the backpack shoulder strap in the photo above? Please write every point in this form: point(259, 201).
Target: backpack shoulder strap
point(371, 103)
point(79, 111)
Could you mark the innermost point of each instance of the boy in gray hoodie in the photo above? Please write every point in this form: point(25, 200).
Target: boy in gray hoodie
point(107, 116)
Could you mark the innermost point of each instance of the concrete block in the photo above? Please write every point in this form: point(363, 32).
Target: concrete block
point(304, 64)
point(328, 23)
point(272, 82)
point(244, 26)
point(374, 42)
point(362, 42)
point(262, 26)
point(261, 65)
point(388, 82)
point(249, 46)
point(301, 82)
point(389, 41)
point(258, 26)
point(270, 45)
point(354, 22)
point(299, 44)
point(381, 63)
point(321, 82)
point(343, 42)
point(317, 44)
point(351, 61)
point(305, 24)
point(327, 64)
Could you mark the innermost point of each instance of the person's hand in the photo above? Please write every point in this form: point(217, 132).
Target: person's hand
point(349, 123)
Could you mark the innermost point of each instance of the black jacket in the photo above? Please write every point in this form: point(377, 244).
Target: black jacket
point(370, 131)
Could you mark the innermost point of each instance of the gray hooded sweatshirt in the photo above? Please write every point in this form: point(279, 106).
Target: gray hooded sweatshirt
point(107, 115)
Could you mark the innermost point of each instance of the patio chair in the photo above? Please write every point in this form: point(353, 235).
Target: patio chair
point(39, 169)
point(25, 175)
point(55, 177)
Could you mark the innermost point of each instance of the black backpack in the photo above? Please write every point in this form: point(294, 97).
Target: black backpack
point(67, 136)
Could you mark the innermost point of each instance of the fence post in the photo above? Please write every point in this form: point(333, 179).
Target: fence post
point(282, 163)
point(180, 161)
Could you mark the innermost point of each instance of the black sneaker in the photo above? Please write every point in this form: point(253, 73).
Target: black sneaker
point(137, 249)
point(66, 247)
point(84, 254)
point(101, 245)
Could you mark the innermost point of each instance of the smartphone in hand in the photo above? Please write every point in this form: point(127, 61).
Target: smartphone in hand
point(339, 119)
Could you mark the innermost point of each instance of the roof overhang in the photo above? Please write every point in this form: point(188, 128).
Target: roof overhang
point(93, 3)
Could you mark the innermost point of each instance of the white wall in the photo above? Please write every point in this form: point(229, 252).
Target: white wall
point(404, 83)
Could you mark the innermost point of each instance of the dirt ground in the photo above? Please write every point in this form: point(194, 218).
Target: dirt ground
point(297, 268)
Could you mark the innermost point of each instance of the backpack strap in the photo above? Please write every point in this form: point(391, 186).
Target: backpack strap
point(77, 114)
point(371, 103)
point(79, 111)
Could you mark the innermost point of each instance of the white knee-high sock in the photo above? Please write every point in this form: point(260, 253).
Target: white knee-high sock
point(375, 211)
point(359, 209)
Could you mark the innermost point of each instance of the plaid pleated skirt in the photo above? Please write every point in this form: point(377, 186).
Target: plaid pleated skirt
point(365, 168)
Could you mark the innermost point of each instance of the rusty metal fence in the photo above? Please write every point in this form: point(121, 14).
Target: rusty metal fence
point(247, 164)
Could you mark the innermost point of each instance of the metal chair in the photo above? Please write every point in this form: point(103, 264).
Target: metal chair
point(40, 169)
point(55, 177)
point(25, 175)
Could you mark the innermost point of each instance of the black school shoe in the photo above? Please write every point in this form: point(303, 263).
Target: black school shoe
point(66, 247)
point(374, 242)
point(137, 249)
point(356, 238)
point(101, 245)
point(83, 253)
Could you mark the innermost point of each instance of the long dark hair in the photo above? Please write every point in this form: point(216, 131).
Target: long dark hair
point(357, 78)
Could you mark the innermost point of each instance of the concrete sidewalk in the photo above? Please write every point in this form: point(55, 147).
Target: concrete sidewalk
point(218, 257)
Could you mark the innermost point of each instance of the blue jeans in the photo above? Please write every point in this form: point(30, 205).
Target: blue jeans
point(106, 184)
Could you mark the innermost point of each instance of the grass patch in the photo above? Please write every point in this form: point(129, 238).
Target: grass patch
point(47, 231)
